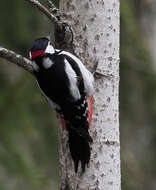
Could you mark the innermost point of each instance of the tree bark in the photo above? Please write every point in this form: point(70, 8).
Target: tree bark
point(95, 25)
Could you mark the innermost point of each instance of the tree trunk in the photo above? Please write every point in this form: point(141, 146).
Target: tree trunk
point(95, 25)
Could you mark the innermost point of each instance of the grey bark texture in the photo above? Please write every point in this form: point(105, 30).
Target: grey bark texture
point(95, 25)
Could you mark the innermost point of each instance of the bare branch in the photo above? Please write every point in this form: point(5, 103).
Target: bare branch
point(44, 10)
point(17, 59)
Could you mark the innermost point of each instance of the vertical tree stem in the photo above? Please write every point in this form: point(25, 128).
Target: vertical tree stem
point(96, 41)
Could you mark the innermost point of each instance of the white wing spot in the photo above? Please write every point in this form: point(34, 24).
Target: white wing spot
point(78, 117)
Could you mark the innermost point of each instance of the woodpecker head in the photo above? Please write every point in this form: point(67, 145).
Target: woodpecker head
point(40, 47)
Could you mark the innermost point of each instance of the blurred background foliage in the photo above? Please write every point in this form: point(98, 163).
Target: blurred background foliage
point(28, 126)
point(138, 95)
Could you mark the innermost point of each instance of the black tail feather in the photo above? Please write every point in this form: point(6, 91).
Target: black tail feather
point(80, 149)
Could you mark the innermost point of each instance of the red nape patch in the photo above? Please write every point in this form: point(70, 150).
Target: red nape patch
point(37, 53)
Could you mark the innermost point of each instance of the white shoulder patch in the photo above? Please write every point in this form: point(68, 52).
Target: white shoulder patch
point(73, 80)
point(47, 63)
point(87, 75)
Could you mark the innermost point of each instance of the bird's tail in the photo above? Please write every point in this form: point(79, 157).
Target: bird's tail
point(79, 145)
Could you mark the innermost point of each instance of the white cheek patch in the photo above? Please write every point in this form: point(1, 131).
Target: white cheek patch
point(47, 63)
point(50, 49)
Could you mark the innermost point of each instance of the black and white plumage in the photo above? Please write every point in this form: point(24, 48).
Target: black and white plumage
point(66, 84)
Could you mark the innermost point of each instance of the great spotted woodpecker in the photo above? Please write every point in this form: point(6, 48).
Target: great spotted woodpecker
point(68, 87)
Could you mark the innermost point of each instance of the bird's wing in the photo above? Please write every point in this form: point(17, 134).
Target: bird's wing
point(87, 75)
